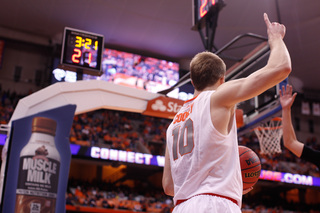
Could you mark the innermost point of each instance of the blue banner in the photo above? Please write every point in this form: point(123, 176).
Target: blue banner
point(289, 178)
point(39, 169)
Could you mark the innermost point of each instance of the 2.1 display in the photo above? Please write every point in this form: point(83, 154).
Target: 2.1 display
point(82, 50)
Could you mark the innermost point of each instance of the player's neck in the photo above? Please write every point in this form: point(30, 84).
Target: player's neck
point(209, 88)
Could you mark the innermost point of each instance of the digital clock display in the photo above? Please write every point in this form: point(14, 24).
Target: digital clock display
point(204, 7)
point(82, 50)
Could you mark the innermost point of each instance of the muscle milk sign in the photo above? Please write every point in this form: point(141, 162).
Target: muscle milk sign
point(164, 107)
point(39, 170)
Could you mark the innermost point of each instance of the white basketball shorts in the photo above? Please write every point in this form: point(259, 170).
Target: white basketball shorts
point(207, 204)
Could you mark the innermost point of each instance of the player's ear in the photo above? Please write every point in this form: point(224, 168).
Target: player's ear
point(222, 79)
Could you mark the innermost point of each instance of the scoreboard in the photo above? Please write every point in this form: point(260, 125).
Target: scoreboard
point(82, 50)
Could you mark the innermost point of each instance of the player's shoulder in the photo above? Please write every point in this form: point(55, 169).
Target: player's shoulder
point(223, 95)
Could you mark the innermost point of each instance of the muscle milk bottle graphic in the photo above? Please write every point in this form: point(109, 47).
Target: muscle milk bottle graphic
point(38, 170)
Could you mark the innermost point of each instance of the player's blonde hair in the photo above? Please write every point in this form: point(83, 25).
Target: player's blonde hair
point(206, 69)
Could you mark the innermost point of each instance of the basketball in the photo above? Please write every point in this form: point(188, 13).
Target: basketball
point(250, 166)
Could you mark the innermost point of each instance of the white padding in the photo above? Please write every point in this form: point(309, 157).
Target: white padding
point(86, 95)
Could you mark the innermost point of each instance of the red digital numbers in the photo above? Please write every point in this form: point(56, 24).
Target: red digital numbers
point(205, 6)
point(82, 50)
point(203, 11)
point(88, 57)
point(76, 56)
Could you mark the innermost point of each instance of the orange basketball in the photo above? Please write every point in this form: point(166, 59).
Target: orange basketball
point(250, 166)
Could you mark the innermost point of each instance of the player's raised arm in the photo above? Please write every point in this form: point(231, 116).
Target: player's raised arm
point(289, 137)
point(276, 70)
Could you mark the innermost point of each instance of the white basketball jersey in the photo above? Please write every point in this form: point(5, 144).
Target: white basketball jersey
point(203, 160)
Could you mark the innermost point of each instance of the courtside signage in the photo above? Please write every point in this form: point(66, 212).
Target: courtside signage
point(289, 178)
point(157, 160)
point(124, 156)
point(163, 107)
point(117, 155)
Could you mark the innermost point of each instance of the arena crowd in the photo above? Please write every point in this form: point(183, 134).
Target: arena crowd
point(135, 132)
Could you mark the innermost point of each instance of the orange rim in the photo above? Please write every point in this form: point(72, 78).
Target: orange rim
point(276, 119)
point(270, 128)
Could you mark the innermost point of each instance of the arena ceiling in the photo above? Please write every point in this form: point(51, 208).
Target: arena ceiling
point(162, 29)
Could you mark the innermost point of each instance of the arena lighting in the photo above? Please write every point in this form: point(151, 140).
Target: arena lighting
point(64, 75)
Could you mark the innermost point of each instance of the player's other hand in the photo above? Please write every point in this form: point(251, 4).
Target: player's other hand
point(274, 29)
point(286, 97)
point(245, 191)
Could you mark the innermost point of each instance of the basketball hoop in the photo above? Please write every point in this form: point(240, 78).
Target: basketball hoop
point(269, 135)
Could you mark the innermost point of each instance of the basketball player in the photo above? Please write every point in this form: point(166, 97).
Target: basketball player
point(289, 137)
point(202, 169)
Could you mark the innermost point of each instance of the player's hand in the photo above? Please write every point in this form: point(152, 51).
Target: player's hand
point(286, 97)
point(245, 191)
point(274, 29)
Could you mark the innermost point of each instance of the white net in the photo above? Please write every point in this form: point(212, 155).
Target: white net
point(269, 135)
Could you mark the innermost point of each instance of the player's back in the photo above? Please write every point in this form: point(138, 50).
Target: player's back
point(202, 159)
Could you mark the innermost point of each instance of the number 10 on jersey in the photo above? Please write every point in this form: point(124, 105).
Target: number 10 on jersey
point(183, 140)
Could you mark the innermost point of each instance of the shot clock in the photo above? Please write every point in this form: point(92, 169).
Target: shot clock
point(204, 8)
point(82, 50)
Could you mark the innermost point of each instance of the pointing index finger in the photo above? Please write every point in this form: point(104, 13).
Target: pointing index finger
point(266, 19)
